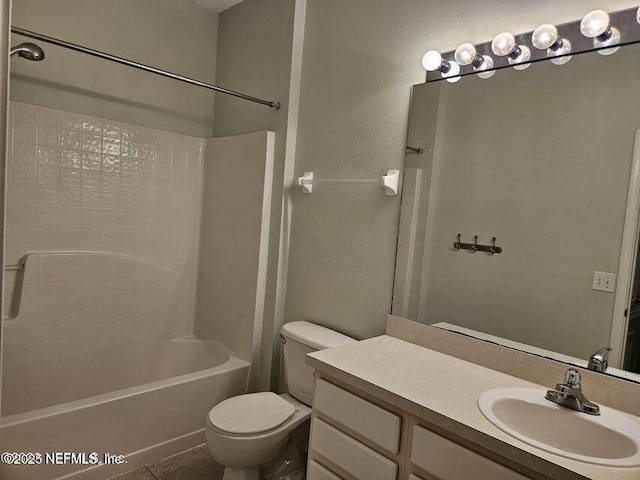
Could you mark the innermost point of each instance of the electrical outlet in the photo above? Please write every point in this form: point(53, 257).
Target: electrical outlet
point(605, 282)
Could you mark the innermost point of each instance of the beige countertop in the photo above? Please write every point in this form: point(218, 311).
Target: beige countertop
point(443, 390)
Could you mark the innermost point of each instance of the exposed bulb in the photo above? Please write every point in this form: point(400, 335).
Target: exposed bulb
point(485, 70)
point(614, 39)
point(638, 15)
point(465, 54)
point(504, 44)
point(432, 61)
point(594, 23)
point(520, 62)
point(453, 75)
point(563, 50)
point(544, 36)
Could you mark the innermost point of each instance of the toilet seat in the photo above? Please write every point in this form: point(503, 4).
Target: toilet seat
point(250, 414)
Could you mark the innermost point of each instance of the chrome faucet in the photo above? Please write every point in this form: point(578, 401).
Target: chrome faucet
point(599, 361)
point(569, 394)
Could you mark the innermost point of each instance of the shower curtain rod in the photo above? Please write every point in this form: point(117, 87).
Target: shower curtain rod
point(139, 66)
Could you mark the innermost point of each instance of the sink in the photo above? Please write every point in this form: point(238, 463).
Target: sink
point(611, 438)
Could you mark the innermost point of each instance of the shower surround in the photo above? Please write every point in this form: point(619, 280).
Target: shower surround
point(103, 236)
point(83, 184)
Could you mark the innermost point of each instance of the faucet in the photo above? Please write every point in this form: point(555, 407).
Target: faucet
point(569, 394)
point(599, 361)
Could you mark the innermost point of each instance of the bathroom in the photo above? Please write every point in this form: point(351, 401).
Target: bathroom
point(233, 262)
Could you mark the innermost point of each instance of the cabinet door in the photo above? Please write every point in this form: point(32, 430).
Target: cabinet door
point(449, 461)
point(350, 455)
point(318, 472)
point(361, 416)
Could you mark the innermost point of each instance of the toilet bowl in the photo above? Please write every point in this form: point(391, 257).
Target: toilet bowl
point(247, 430)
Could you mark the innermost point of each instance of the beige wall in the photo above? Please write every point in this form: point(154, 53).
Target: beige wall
point(180, 37)
point(529, 158)
point(360, 59)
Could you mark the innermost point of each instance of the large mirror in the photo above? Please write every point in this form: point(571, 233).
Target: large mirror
point(542, 160)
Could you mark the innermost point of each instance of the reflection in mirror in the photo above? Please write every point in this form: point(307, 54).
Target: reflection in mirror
point(542, 160)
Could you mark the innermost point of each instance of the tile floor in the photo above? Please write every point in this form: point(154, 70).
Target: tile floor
point(194, 464)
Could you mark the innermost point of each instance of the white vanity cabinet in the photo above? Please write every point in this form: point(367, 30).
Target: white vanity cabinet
point(447, 460)
point(356, 436)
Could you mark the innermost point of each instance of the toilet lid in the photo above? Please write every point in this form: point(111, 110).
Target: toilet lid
point(251, 413)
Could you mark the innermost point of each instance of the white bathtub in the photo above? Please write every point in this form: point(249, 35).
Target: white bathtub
point(143, 401)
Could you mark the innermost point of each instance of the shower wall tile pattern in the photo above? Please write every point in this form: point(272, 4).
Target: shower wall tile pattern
point(83, 184)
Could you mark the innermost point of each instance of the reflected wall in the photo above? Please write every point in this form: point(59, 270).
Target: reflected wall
point(539, 159)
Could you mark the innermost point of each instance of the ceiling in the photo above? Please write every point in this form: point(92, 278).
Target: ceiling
point(218, 5)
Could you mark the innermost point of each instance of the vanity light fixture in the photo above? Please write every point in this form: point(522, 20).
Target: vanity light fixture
point(433, 61)
point(504, 45)
point(466, 54)
point(598, 30)
point(546, 37)
point(596, 25)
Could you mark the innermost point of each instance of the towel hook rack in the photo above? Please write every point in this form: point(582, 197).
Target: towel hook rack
point(475, 247)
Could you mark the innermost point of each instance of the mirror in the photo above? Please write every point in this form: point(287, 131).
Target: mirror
point(541, 159)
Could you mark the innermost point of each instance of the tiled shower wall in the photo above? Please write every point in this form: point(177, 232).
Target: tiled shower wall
point(78, 183)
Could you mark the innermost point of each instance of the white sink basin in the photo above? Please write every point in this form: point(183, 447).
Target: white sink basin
point(610, 438)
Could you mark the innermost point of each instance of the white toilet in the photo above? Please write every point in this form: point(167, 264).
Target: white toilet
point(248, 430)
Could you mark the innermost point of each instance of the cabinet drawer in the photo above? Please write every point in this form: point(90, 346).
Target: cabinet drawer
point(349, 454)
point(449, 461)
point(371, 421)
point(318, 472)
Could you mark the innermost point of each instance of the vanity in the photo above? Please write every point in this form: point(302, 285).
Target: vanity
point(388, 408)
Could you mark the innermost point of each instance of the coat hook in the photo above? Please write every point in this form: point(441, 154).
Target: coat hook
point(475, 247)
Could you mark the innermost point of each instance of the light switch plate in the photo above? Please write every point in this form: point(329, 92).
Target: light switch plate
point(604, 282)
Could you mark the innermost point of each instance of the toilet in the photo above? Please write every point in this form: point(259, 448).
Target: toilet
point(247, 430)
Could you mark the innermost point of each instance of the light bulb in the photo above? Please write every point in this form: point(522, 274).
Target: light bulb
point(638, 15)
point(503, 44)
point(465, 54)
point(562, 50)
point(544, 36)
point(614, 39)
point(432, 60)
point(453, 75)
point(485, 69)
point(519, 63)
point(594, 23)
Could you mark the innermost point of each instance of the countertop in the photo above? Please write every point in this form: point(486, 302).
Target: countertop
point(443, 390)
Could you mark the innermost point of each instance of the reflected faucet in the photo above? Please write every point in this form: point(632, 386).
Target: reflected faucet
point(599, 361)
point(569, 394)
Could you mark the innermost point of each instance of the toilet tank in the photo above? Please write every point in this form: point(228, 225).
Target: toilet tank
point(300, 338)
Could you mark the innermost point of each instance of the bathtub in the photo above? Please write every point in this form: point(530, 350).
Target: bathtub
point(143, 401)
